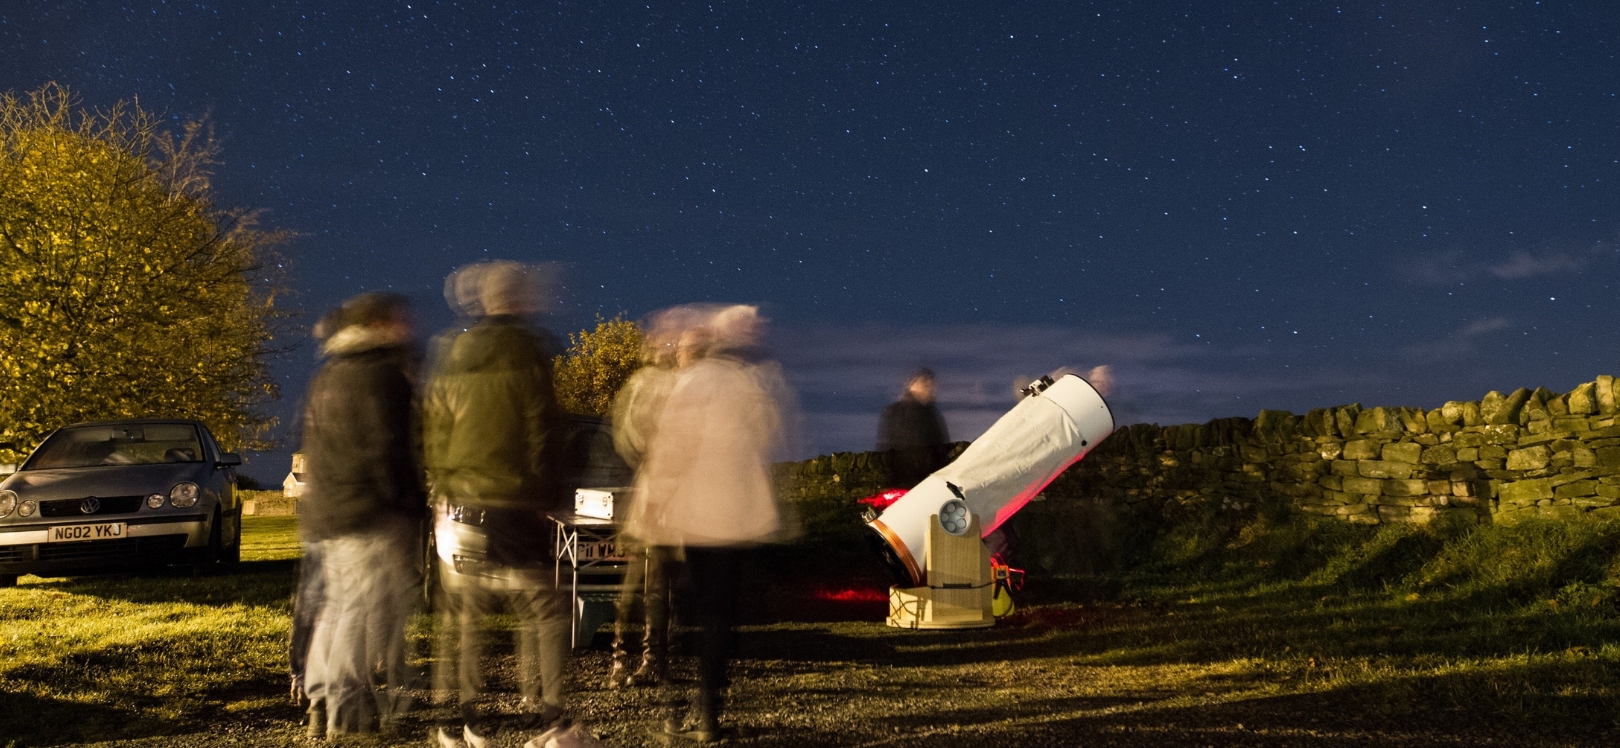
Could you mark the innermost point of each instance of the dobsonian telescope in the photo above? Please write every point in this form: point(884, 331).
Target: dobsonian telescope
point(932, 536)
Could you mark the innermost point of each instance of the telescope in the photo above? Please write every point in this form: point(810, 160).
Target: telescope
point(932, 536)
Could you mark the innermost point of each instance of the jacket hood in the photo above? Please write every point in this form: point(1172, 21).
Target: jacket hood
point(360, 338)
point(110, 480)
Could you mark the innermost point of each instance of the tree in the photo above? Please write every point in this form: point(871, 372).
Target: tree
point(125, 290)
point(597, 364)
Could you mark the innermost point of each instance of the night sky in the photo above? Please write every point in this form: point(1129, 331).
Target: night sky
point(1238, 205)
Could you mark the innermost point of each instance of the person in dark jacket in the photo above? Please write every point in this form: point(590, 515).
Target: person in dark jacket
point(363, 500)
point(914, 433)
point(491, 430)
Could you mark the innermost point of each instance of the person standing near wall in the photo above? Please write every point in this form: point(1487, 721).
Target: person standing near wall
point(364, 500)
point(706, 486)
point(492, 425)
point(913, 432)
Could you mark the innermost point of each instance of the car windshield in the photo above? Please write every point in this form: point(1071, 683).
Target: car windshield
point(135, 444)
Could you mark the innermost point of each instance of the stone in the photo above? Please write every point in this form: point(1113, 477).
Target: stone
point(1344, 467)
point(1489, 464)
point(1468, 439)
point(1569, 477)
point(1607, 513)
point(1509, 408)
point(1372, 486)
point(1414, 514)
point(1582, 400)
point(1382, 469)
point(1436, 421)
point(1570, 424)
point(1558, 405)
point(1492, 452)
point(1402, 452)
point(1332, 482)
point(1412, 420)
point(1526, 491)
point(1589, 502)
point(1530, 458)
point(1490, 404)
point(1558, 512)
point(1510, 517)
point(1330, 450)
point(1608, 456)
point(1376, 419)
point(1584, 457)
point(1461, 488)
point(1427, 440)
point(1469, 454)
point(1503, 433)
point(1254, 455)
point(1443, 454)
point(1472, 415)
point(1603, 392)
point(1452, 412)
point(1439, 487)
point(1361, 449)
point(1345, 418)
point(1576, 489)
point(1405, 488)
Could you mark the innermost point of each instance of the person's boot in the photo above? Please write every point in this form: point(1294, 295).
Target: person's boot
point(651, 671)
point(316, 716)
point(619, 673)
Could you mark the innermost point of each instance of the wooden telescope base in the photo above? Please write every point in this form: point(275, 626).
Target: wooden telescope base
point(960, 585)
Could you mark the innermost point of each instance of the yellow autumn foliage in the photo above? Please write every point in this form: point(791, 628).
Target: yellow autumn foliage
point(125, 290)
point(597, 364)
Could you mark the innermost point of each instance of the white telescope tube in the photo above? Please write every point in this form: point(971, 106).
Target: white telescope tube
point(1002, 470)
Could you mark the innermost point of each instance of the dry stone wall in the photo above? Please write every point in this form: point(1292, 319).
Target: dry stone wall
point(1503, 458)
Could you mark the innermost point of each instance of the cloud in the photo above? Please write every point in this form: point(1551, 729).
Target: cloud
point(1461, 343)
point(846, 374)
point(1484, 326)
point(1456, 266)
point(1527, 265)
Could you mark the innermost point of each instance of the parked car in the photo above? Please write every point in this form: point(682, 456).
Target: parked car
point(120, 494)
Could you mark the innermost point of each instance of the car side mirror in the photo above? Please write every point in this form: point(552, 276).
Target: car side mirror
point(229, 459)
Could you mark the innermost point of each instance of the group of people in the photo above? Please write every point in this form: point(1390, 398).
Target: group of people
point(472, 453)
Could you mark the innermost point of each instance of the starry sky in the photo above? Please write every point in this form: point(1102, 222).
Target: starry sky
point(1236, 205)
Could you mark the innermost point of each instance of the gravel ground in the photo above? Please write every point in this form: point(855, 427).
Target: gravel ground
point(1038, 679)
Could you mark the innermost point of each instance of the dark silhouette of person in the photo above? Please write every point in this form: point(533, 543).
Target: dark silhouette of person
point(913, 432)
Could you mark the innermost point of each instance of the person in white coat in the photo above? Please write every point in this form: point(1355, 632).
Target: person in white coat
point(706, 486)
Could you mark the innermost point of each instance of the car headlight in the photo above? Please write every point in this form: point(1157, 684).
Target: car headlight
point(26, 509)
point(8, 502)
point(154, 501)
point(183, 494)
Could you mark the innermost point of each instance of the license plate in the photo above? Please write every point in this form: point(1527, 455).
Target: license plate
point(107, 531)
point(598, 550)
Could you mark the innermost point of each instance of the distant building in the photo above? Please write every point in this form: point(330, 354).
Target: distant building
point(293, 485)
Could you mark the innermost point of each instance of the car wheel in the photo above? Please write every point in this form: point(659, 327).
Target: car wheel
point(209, 557)
point(8, 580)
point(233, 553)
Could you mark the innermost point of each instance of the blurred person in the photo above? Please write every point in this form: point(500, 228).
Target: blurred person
point(491, 426)
point(311, 589)
point(363, 499)
point(706, 486)
point(913, 432)
point(646, 583)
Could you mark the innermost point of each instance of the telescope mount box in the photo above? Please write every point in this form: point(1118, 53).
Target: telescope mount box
point(602, 503)
point(960, 585)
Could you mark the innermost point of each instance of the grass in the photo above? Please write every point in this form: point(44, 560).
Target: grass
point(92, 658)
point(1281, 631)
